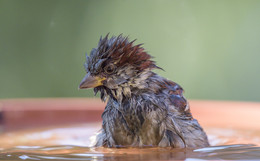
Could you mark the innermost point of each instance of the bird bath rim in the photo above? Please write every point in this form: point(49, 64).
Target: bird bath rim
point(18, 114)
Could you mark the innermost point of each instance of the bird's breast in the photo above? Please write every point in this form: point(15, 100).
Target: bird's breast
point(134, 126)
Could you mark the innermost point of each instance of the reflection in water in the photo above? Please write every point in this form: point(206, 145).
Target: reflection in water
point(69, 143)
point(228, 152)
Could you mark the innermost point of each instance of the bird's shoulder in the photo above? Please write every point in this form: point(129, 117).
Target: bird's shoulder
point(176, 102)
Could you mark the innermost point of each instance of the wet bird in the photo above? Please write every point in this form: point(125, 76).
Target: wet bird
point(143, 109)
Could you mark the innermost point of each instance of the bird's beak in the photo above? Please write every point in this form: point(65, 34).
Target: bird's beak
point(90, 81)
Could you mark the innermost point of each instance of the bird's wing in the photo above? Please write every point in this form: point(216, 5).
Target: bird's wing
point(178, 112)
point(180, 120)
point(177, 104)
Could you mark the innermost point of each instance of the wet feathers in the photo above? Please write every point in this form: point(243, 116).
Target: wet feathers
point(143, 108)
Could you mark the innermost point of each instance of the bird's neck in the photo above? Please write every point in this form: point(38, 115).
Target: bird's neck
point(140, 83)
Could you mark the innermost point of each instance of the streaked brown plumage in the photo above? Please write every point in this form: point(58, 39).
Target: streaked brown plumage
point(143, 108)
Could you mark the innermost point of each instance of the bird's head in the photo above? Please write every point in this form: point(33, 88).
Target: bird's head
point(116, 66)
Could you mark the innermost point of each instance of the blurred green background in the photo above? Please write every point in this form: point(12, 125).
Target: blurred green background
point(210, 47)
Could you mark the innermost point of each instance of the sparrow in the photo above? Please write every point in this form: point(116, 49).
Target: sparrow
point(143, 109)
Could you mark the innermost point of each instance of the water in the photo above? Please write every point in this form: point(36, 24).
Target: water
point(70, 143)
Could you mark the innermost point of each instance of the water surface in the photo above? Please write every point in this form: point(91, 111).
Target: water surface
point(72, 143)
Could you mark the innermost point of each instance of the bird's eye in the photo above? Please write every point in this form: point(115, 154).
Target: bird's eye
point(109, 69)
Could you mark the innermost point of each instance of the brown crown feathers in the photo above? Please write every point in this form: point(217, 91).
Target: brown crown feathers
point(119, 51)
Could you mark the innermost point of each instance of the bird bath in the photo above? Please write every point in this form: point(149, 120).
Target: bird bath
point(61, 129)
